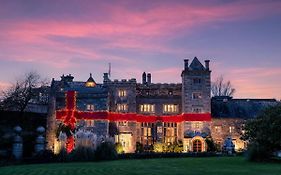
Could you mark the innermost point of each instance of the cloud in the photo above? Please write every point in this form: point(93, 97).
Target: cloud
point(255, 82)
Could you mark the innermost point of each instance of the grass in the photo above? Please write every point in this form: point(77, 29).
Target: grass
point(177, 166)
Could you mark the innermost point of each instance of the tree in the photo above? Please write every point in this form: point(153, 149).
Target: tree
point(222, 88)
point(264, 134)
point(21, 92)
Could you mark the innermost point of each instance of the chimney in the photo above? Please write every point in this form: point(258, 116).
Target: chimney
point(186, 64)
point(105, 77)
point(207, 63)
point(149, 78)
point(144, 78)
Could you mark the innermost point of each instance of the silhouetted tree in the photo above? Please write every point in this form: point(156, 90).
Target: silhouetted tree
point(263, 134)
point(222, 88)
point(19, 94)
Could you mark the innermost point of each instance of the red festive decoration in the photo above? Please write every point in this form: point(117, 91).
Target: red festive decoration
point(69, 116)
point(69, 144)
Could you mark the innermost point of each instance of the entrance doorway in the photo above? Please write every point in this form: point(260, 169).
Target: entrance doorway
point(197, 145)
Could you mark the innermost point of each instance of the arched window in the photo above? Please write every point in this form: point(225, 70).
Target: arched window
point(197, 146)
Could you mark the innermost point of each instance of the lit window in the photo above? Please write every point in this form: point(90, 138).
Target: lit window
point(147, 108)
point(90, 107)
point(231, 129)
point(196, 81)
point(218, 129)
point(90, 123)
point(123, 123)
point(122, 107)
point(196, 95)
point(197, 110)
point(122, 93)
point(197, 125)
point(170, 108)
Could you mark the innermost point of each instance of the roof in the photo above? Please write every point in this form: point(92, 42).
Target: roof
point(90, 79)
point(239, 108)
point(196, 65)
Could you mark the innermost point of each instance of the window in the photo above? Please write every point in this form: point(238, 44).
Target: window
point(197, 125)
point(90, 107)
point(197, 110)
point(196, 81)
point(218, 129)
point(123, 123)
point(122, 93)
point(147, 108)
point(231, 129)
point(122, 107)
point(170, 108)
point(196, 95)
point(90, 123)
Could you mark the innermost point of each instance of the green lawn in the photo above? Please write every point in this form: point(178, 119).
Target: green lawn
point(169, 166)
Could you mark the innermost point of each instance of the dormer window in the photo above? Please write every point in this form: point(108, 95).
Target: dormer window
point(90, 82)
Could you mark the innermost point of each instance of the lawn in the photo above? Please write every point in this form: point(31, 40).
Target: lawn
point(177, 166)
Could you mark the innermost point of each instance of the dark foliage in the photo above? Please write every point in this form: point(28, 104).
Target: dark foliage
point(82, 154)
point(139, 147)
point(106, 151)
point(211, 146)
point(264, 134)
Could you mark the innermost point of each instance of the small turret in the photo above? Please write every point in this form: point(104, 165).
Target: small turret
point(90, 82)
point(149, 78)
point(144, 78)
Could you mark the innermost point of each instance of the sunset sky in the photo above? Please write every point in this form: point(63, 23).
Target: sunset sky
point(241, 38)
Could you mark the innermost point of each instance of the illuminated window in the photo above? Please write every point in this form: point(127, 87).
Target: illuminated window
point(197, 125)
point(147, 108)
point(123, 123)
point(197, 110)
point(90, 107)
point(196, 95)
point(231, 129)
point(170, 108)
point(218, 129)
point(90, 84)
point(122, 107)
point(90, 123)
point(122, 93)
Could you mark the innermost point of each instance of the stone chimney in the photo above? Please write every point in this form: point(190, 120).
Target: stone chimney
point(149, 78)
point(186, 64)
point(207, 63)
point(105, 77)
point(144, 78)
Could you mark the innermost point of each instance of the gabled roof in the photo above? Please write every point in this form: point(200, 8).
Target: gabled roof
point(91, 79)
point(196, 65)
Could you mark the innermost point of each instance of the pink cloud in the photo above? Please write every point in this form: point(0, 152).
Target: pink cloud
point(253, 82)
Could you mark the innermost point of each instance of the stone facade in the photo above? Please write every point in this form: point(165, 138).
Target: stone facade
point(129, 112)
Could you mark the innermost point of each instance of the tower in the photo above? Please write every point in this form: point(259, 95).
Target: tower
point(196, 87)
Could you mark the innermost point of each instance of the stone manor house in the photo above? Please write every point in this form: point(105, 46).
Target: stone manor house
point(129, 112)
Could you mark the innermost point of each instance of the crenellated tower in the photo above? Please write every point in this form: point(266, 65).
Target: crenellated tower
point(196, 87)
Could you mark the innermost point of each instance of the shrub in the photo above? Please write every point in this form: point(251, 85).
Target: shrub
point(158, 147)
point(211, 146)
point(139, 147)
point(119, 148)
point(62, 156)
point(82, 153)
point(257, 152)
point(106, 151)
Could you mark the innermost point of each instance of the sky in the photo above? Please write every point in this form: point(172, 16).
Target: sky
point(241, 38)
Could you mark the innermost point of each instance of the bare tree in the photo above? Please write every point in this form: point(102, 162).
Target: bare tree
point(222, 88)
point(18, 95)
